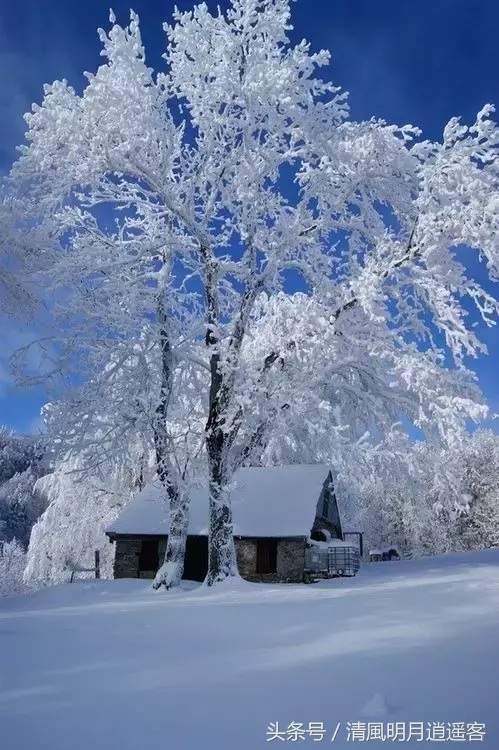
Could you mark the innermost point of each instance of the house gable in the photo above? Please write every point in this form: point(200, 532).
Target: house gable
point(327, 516)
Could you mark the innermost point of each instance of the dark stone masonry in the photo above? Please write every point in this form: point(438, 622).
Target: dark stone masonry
point(289, 562)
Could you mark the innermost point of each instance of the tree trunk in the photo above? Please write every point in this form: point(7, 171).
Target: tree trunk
point(220, 432)
point(222, 562)
point(170, 573)
point(221, 551)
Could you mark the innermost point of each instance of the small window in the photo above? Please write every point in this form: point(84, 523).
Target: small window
point(148, 557)
point(266, 556)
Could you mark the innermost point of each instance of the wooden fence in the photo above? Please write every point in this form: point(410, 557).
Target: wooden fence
point(95, 569)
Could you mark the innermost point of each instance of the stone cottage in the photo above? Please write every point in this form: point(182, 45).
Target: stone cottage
point(276, 510)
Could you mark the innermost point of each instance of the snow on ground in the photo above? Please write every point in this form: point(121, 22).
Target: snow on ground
point(111, 664)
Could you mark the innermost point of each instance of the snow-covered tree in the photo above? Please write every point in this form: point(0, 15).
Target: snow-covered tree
point(426, 498)
point(115, 414)
point(22, 462)
point(183, 197)
point(407, 497)
point(479, 465)
point(25, 248)
point(20, 505)
point(79, 507)
point(12, 564)
point(327, 392)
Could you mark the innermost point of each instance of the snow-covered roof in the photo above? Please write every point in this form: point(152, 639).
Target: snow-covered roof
point(277, 501)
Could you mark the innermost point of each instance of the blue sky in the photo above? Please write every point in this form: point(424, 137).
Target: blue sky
point(419, 63)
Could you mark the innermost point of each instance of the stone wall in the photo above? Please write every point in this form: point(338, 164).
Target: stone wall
point(126, 558)
point(290, 561)
point(246, 558)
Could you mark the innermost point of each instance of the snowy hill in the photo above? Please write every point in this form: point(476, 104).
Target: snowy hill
point(111, 664)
